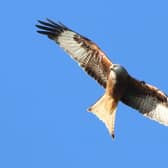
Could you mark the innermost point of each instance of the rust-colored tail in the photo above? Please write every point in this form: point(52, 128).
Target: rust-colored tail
point(105, 109)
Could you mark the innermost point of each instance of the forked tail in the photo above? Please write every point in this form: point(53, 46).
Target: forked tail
point(105, 109)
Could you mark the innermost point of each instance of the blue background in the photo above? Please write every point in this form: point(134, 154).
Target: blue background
point(44, 94)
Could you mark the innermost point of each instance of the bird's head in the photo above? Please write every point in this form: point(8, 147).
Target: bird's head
point(119, 73)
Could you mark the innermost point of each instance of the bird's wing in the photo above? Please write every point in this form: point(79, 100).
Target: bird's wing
point(88, 55)
point(147, 99)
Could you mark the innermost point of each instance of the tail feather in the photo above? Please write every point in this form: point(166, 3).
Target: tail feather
point(105, 109)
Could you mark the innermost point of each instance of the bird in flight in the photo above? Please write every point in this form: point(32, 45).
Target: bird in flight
point(118, 83)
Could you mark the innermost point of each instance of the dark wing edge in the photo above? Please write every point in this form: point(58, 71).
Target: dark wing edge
point(147, 99)
point(88, 55)
point(50, 28)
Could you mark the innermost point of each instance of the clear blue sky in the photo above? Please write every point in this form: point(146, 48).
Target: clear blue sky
point(44, 94)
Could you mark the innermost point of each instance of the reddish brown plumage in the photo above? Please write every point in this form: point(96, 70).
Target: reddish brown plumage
point(146, 98)
point(98, 58)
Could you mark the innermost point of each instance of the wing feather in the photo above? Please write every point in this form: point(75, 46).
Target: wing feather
point(86, 53)
point(148, 100)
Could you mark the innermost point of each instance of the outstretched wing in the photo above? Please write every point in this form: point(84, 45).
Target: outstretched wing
point(148, 100)
point(82, 50)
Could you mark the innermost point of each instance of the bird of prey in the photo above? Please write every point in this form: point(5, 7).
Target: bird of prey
point(118, 83)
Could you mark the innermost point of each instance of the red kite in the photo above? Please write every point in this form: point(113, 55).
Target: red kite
point(118, 84)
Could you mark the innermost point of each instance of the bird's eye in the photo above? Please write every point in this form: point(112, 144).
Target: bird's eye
point(114, 66)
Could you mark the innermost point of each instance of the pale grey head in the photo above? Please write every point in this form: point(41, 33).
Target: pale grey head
point(120, 72)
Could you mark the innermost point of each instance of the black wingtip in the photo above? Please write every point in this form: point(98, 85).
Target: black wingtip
point(50, 28)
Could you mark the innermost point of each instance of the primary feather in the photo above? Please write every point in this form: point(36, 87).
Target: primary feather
point(86, 53)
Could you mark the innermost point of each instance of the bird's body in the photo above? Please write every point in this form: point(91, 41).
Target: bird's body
point(105, 108)
point(118, 83)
